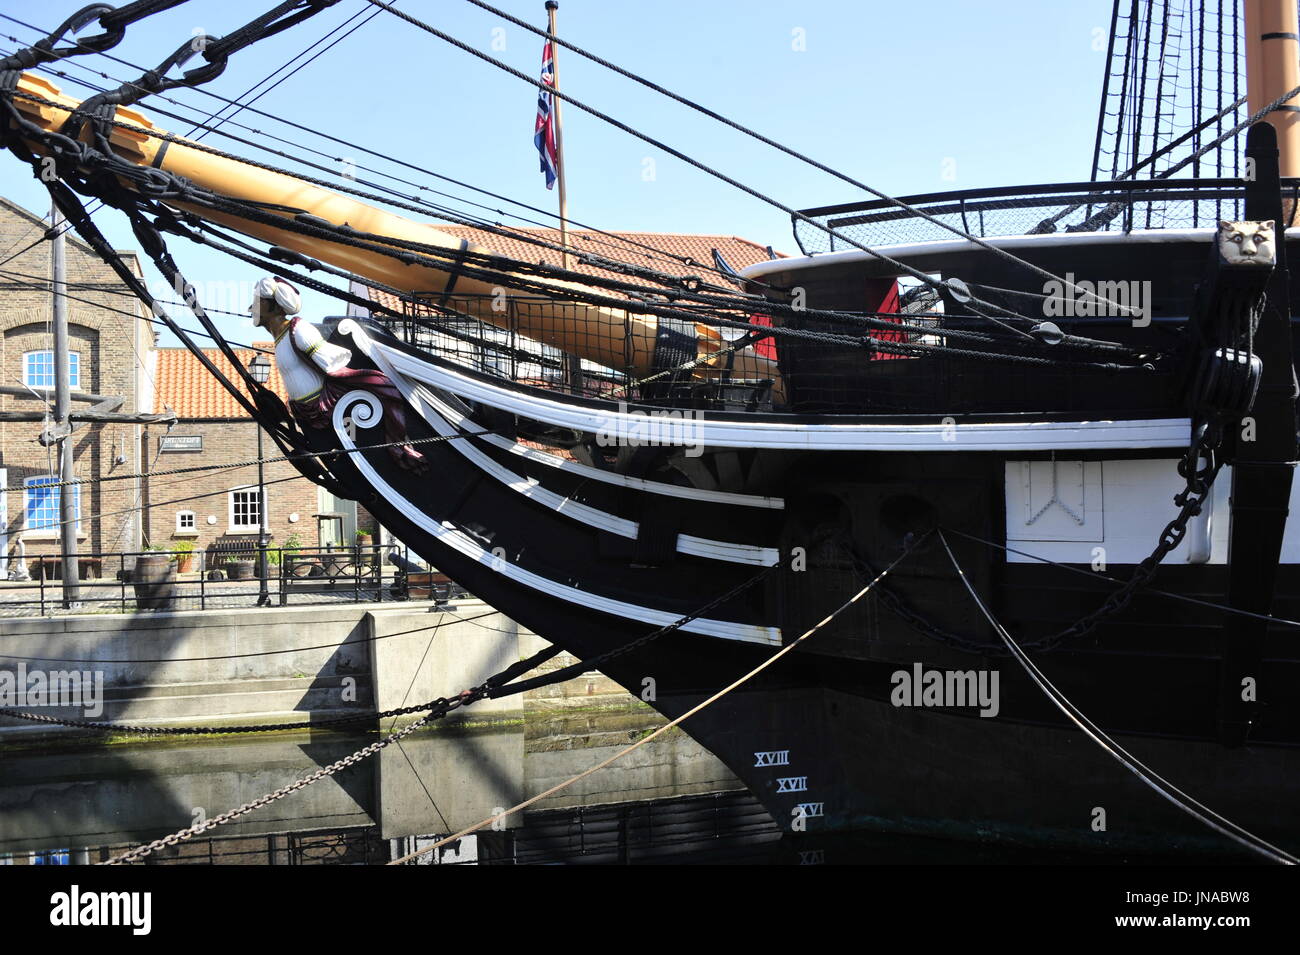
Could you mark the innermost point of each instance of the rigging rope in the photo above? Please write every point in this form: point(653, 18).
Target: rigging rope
point(1096, 575)
point(892, 347)
point(794, 153)
point(1163, 787)
point(735, 684)
point(704, 167)
point(494, 687)
point(611, 239)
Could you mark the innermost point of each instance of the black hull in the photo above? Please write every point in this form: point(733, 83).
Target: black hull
point(851, 757)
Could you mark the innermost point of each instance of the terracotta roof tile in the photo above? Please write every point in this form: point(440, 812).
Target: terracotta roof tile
point(186, 387)
point(673, 253)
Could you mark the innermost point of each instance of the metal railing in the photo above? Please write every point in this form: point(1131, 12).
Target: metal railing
point(1122, 205)
point(117, 582)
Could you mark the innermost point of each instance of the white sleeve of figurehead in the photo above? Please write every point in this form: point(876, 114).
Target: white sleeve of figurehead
point(328, 358)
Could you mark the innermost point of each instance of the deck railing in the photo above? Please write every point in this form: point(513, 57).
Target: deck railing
point(1119, 206)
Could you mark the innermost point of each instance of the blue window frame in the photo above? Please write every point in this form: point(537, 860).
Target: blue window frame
point(38, 369)
point(41, 503)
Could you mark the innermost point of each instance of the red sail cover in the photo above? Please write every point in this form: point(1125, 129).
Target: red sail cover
point(881, 296)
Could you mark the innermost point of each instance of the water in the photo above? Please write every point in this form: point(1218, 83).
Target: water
point(670, 801)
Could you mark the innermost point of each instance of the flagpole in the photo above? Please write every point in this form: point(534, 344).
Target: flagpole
point(572, 363)
point(551, 7)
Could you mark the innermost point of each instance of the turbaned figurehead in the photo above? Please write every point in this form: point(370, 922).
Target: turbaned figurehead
point(316, 373)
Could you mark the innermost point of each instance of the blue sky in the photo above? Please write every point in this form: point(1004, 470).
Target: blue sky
point(909, 97)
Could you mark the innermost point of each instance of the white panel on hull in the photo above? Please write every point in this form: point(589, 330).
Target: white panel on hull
point(1054, 501)
point(1125, 506)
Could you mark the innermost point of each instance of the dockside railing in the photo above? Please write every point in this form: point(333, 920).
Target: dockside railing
point(163, 580)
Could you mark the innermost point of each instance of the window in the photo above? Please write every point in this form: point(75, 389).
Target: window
point(41, 503)
point(38, 369)
point(245, 515)
point(185, 521)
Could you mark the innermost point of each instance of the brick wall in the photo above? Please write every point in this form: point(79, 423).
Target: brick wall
point(225, 441)
point(108, 344)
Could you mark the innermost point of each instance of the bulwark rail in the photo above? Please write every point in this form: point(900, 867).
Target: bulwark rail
point(1121, 205)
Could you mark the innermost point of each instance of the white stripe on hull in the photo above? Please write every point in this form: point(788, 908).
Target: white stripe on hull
point(368, 414)
point(936, 435)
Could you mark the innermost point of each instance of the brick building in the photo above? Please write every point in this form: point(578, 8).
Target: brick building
point(213, 429)
point(109, 345)
point(115, 354)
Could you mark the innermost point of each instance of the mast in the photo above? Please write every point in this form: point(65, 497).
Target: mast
point(1273, 69)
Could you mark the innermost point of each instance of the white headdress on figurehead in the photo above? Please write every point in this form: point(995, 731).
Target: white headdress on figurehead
point(284, 294)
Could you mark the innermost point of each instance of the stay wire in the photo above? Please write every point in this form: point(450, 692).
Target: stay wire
point(767, 141)
point(1158, 784)
point(610, 238)
point(709, 701)
point(1209, 604)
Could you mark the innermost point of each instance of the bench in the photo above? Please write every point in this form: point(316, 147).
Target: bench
point(228, 548)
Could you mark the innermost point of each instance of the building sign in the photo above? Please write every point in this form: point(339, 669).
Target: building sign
point(180, 442)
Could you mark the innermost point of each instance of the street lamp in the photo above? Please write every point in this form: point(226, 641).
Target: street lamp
point(260, 369)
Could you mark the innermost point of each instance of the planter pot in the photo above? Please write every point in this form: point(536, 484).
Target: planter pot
point(154, 580)
point(184, 563)
point(240, 570)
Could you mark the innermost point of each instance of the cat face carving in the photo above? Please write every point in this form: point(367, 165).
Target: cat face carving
point(1247, 243)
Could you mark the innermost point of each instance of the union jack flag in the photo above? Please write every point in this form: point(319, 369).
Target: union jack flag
point(544, 130)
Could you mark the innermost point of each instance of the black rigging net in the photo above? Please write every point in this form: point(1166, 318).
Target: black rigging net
point(1173, 87)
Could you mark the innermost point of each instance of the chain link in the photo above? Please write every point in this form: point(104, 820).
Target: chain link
point(492, 687)
point(139, 853)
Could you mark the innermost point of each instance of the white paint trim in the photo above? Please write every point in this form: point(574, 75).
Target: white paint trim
point(429, 408)
point(434, 411)
point(933, 436)
point(369, 413)
point(1012, 243)
point(367, 346)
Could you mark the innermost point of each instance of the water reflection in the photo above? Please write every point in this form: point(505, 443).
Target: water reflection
point(74, 805)
point(670, 801)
